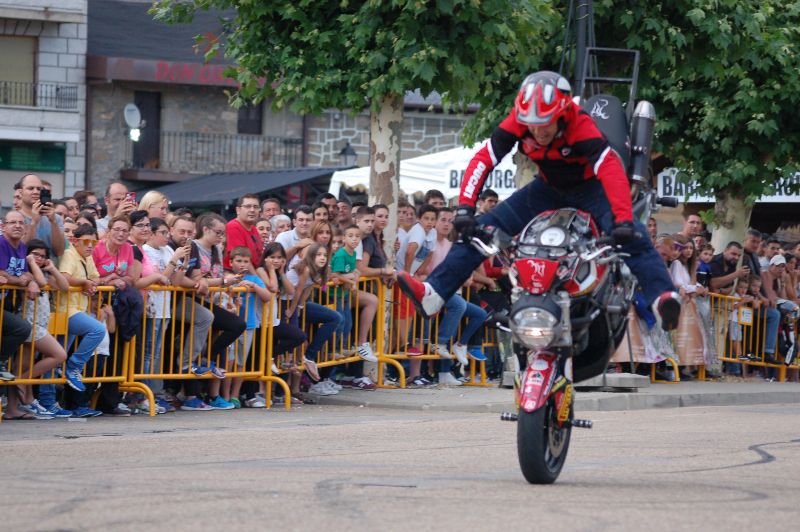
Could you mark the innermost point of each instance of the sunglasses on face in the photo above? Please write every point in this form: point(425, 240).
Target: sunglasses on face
point(88, 241)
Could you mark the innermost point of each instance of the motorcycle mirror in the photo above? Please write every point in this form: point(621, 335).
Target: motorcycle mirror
point(503, 240)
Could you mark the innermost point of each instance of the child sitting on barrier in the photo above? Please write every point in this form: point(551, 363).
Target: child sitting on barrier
point(250, 311)
point(312, 271)
point(21, 403)
point(285, 335)
point(345, 272)
point(37, 313)
point(768, 332)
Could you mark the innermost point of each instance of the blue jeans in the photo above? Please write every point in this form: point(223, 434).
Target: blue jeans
point(330, 321)
point(91, 332)
point(454, 309)
point(343, 308)
point(154, 330)
point(513, 215)
point(771, 332)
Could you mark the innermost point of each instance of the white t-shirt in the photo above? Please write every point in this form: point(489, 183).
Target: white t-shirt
point(288, 239)
point(426, 242)
point(159, 302)
point(102, 224)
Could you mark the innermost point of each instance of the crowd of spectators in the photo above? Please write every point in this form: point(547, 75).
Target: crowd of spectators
point(305, 268)
point(740, 302)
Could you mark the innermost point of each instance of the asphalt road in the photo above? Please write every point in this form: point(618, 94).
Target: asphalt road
point(345, 468)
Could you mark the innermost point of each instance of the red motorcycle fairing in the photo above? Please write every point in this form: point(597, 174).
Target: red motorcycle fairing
point(538, 381)
point(536, 275)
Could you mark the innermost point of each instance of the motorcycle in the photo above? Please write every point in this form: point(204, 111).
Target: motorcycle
point(571, 297)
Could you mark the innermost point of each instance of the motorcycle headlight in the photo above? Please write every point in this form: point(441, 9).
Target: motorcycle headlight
point(534, 327)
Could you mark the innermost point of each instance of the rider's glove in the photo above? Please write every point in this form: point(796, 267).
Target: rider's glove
point(623, 233)
point(464, 221)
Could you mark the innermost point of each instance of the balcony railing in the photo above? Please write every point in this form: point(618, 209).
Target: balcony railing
point(45, 95)
point(191, 152)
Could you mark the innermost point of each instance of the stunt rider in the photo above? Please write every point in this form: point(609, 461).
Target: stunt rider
point(577, 168)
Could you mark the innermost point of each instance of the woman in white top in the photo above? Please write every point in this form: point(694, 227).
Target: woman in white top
point(689, 338)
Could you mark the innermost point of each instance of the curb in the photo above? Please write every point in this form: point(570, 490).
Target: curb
point(584, 402)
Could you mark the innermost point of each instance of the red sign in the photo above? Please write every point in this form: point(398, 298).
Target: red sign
point(155, 71)
point(192, 73)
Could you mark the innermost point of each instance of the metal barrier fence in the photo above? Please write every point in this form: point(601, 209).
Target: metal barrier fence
point(177, 333)
point(341, 348)
point(411, 337)
point(740, 333)
point(99, 368)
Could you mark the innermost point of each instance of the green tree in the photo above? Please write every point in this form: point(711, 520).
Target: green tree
point(724, 76)
point(312, 55)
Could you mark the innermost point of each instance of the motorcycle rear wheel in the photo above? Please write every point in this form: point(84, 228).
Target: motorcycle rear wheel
point(541, 445)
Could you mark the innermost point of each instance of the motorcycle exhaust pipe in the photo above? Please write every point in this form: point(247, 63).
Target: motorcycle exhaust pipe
point(644, 122)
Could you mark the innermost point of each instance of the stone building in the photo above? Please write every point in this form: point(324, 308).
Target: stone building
point(189, 127)
point(42, 93)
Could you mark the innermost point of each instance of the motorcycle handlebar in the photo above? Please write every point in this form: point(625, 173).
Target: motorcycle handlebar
point(608, 240)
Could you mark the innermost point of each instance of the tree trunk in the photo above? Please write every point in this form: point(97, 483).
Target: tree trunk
point(731, 219)
point(386, 126)
point(526, 169)
point(385, 130)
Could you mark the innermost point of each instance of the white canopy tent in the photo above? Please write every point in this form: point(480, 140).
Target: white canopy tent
point(442, 171)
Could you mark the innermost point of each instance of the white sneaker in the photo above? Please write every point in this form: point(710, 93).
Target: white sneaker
point(365, 352)
point(447, 379)
point(329, 383)
point(144, 407)
point(461, 354)
point(255, 402)
point(320, 389)
point(442, 351)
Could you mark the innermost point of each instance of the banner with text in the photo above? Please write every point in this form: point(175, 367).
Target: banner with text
point(787, 190)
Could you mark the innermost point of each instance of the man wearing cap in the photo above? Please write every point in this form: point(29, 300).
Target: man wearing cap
point(775, 281)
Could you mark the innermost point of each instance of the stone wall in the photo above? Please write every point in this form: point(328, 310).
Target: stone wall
point(423, 133)
point(184, 109)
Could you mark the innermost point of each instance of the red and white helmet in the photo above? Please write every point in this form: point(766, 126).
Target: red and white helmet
point(543, 98)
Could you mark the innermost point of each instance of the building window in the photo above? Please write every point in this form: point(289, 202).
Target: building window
point(250, 119)
point(17, 67)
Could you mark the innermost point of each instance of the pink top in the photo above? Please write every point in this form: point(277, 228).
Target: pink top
point(117, 263)
point(439, 253)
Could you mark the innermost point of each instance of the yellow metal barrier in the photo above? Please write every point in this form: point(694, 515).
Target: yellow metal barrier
point(99, 368)
point(405, 323)
point(171, 354)
point(342, 349)
point(742, 341)
point(166, 346)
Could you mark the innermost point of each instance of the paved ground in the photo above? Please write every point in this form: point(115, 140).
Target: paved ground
point(494, 399)
point(350, 468)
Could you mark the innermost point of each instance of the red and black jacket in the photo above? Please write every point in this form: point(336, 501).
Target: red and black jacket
point(578, 153)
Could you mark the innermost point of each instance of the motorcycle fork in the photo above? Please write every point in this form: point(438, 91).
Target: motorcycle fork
point(547, 374)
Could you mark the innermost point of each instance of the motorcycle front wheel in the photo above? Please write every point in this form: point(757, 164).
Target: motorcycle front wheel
point(541, 445)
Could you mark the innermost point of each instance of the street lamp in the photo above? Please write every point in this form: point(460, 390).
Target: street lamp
point(348, 156)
